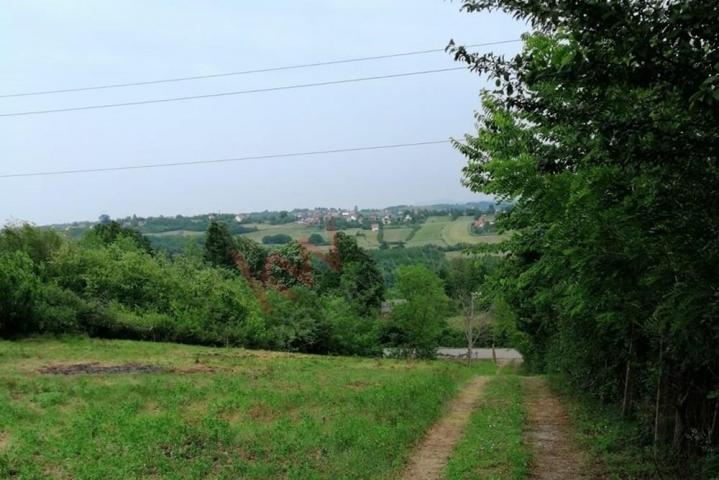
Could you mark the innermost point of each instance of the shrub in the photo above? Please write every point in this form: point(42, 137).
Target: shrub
point(349, 333)
point(62, 311)
point(316, 239)
point(19, 292)
point(296, 321)
point(278, 239)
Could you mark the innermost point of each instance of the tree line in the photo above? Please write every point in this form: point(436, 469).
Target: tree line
point(230, 291)
point(605, 129)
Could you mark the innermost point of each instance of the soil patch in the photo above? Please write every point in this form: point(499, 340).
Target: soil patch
point(431, 456)
point(195, 369)
point(4, 440)
point(97, 368)
point(555, 453)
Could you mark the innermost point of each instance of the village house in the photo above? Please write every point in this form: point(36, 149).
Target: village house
point(480, 222)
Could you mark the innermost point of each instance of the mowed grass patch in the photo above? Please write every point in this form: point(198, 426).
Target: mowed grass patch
point(396, 234)
point(459, 231)
point(213, 412)
point(492, 447)
point(430, 232)
point(366, 239)
point(442, 231)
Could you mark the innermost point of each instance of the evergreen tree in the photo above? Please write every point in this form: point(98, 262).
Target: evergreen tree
point(219, 245)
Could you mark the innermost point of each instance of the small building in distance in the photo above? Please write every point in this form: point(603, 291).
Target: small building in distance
point(480, 222)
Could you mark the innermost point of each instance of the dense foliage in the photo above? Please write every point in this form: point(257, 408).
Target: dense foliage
point(389, 260)
point(605, 130)
point(277, 239)
point(109, 232)
point(234, 292)
point(419, 320)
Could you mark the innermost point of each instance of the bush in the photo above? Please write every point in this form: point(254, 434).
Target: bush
point(19, 293)
point(62, 311)
point(39, 245)
point(349, 333)
point(144, 297)
point(117, 289)
point(316, 239)
point(296, 321)
point(278, 239)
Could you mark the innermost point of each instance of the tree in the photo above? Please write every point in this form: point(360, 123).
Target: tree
point(316, 239)
point(421, 318)
point(604, 130)
point(474, 326)
point(465, 278)
point(39, 244)
point(20, 289)
point(296, 320)
point(110, 231)
point(219, 245)
point(287, 267)
point(252, 255)
point(355, 274)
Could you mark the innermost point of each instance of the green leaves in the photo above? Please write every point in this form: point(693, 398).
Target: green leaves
point(606, 132)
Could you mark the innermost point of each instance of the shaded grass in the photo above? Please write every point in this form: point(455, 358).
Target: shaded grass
point(492, 446)
point(256, 415)
point(620, 446)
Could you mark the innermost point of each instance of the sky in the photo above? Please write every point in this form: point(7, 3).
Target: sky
point(51, 44)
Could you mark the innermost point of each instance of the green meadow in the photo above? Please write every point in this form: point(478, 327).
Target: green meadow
point(212, 412)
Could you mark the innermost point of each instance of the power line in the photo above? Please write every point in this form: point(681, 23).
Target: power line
point(247, 72)
point(224, 160)
point(227, 94)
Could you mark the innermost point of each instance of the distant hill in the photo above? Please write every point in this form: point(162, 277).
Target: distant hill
point(443, 225)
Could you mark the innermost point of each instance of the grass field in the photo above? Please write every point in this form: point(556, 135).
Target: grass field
point(445, 232)
point(176, 233)
point(212, 412)
point(294, 230)
point(397, 234)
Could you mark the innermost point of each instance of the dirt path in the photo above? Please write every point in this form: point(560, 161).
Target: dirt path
point(549, 433)
point(432, 454)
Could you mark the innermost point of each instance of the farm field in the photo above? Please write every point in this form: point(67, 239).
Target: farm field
point(365, 238)
point(444, 232)
point(178, 233)
point(397, 234)
point(437, 231)
point(458, 231)
point(294, 230)
point(176, 411)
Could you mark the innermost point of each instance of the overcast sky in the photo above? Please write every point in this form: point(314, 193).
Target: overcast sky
point(54, 44)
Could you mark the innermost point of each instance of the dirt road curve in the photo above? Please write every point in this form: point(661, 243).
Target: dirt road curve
point(432, 454)
point(555, 454)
